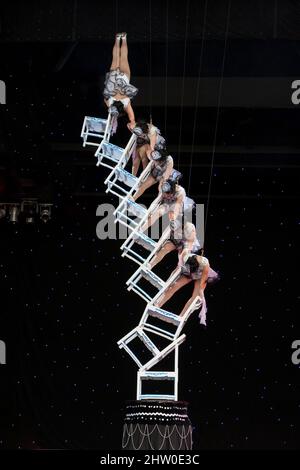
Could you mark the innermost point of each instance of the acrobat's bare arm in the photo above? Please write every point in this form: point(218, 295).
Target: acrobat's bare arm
point(177, 209)
point(131, 116)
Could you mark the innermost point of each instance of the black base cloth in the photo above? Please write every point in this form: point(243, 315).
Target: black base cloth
point(157, 425)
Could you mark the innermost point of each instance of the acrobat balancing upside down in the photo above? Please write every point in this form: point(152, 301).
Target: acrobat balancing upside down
point(151, 147)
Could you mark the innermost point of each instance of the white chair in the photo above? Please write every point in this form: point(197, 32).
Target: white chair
point(148, 275)
point(152, 311)
point(158, 355)
point(127, 210)
point(109, 155)
point(131, 248)
point(120, 181)
point(142, 331)
point(95, 129)
point(144, 273)
point(153, 375)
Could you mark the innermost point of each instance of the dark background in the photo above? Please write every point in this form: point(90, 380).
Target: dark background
point(63, 299)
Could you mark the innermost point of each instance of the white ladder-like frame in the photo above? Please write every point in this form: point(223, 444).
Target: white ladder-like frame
point(103, 132)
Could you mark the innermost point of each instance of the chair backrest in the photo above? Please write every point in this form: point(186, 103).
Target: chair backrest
point(111, 151)
point(126, 177)
point(114, 153)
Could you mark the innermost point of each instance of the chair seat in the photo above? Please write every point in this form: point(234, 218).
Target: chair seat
point(154, 396)
point(157, 375)
point(95, 125)
point(164, 315)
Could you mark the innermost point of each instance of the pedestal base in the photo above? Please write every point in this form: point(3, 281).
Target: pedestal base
point(157, 425)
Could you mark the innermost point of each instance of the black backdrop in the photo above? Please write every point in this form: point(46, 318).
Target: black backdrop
point(63, 302)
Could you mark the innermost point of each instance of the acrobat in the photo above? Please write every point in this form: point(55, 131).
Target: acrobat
point(118, 90)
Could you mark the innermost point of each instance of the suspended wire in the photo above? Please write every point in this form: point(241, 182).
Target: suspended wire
point(217, 116)
point(117, 15)
point(150, 59)
point(183, 78)
point(74, 20)
point(198, 91)
point(167, 59)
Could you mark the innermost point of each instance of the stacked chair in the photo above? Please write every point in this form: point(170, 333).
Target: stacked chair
point(155, 323)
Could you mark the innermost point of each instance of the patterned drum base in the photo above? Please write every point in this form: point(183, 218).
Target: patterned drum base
point(157, 425)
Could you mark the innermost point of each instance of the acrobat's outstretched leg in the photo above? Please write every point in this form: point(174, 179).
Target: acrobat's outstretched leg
point(150, 181)
point(116, 53)
point(182, 281)
point(143, 156)
point(124, 64)
point(167, 248)
point(135, 165)
point(140, 157)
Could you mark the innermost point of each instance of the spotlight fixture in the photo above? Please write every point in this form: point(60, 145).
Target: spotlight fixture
point(2, 212)
point(13, 214)
point(29, 218)
point(29, 207)
point(45, 212)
